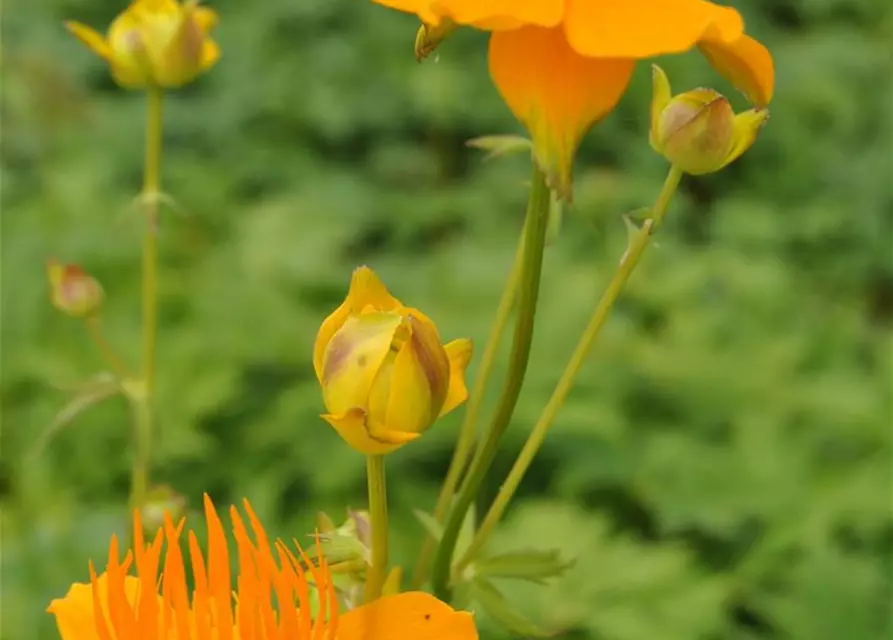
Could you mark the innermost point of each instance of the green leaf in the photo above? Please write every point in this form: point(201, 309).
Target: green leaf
point(498, 607)
point(500, 145)
point(432, 526)
point(531, 565)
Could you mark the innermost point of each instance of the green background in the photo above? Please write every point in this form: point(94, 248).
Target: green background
point(721, 469)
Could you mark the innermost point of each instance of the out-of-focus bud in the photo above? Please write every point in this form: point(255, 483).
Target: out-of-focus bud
point(159, 501)
point(72, 290)
point(697, 131)
point(385, 375)
point(155, 43)
point(429, 37)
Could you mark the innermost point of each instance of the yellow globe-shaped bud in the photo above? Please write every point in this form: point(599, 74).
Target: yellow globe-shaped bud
point(155, 43)
point(697, 131)
point(385, 375)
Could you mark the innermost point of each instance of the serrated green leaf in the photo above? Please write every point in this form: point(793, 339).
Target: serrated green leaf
point(531, 565)
point(498, 607)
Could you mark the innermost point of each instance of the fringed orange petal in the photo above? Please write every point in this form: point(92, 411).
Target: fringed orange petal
point(174, 582)
point(557, 93)
point(645, 28)
point(745, 63)
point(200, 602)
point(218, 573)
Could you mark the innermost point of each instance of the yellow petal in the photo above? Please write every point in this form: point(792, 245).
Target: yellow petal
point(646, 28)
point(130, 57)
point(75, 612)
point(660, 98)
point(557, 93)
point(747, 127)
point(210, 54)
point(206, 18)
point(353, 358)
point(90, 37)
point(745, 63)
point(413, 615)
point(459, 353)
point(418, 384)
point(352, 427)
point(366, 290)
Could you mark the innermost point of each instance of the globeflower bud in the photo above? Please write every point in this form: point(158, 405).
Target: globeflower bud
point(155, 43)
point(697, 131)
point(385, 375)
point(72, 290)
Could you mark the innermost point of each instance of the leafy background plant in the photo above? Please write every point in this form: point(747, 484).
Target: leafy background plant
point(722, 469)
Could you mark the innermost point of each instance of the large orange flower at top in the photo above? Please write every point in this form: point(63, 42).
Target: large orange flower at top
point(562, 65)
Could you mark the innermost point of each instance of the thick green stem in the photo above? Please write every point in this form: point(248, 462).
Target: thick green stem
point(378, 519)
point(145, 397)
point(637, 245)
point(528, 292)
point(468, 430)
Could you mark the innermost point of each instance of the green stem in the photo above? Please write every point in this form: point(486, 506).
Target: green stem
point(145, 399)
point(467, 432)
point(637, 245)
point(94, 329)
point(528, 292)
point(378, 518)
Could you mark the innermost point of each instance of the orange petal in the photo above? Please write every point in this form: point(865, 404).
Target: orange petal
point(415, 615)
point(352, 427)
point(422, 8)
point(645, 28)
point(745, 63)
point(459, 353)
point(557, 93)
point(501, 13)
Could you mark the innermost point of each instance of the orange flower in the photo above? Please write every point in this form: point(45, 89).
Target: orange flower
point(562, 65)
point(119, 606)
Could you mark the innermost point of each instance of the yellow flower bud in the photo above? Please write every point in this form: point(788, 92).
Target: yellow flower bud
point(697, 131)
point(385, 375)
point(72, 290)
point(155, 43)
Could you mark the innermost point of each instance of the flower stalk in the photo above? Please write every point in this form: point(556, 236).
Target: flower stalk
point(637, 245)
point(378, 518)
point(144, 399)
point(467, 431)
point(535, 227)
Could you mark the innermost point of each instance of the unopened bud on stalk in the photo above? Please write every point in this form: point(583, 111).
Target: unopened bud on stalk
point(161, 500)
point(697, 131)
point(72, 290)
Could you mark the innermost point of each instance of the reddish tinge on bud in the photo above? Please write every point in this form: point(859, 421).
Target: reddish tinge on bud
point(72, 290)
point(697, 131)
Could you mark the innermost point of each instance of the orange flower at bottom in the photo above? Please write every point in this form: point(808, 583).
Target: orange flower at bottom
point(271, 600)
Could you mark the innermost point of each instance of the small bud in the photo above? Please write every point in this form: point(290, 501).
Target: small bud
point(697, 131)
point(429, 37)
point(155, 44)
point(161, 500)
point(72, 290)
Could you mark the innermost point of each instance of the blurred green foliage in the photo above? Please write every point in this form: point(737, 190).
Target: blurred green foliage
point(722, 469)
